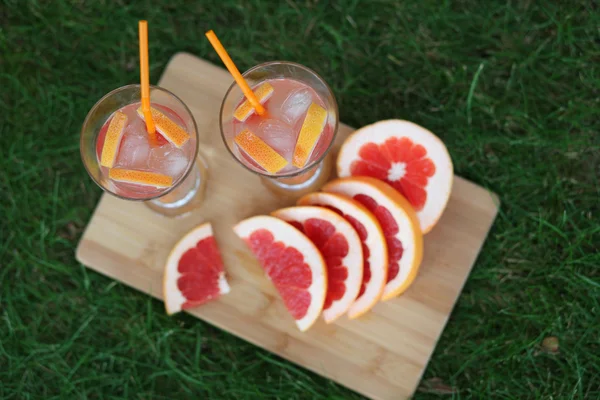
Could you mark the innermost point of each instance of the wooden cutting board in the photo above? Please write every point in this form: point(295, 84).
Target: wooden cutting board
point(381, 355)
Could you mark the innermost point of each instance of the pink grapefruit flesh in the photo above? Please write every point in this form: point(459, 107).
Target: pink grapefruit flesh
point(194, 272)
point(292, 262)
point(372, 242)
point(409, 158)
point(341, 249)
point(399, 224)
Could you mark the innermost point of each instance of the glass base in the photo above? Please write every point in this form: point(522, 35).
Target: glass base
point(186, 197)
point(307, 182)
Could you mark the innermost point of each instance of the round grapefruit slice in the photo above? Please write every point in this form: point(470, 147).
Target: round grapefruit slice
point(372, 242)
point(410, 158)
point(194, 271)
point(399, 223)
point(292, 262)
point(341, 249)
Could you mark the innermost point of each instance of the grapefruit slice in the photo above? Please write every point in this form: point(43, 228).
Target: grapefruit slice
point(410, 158)
point(194, 271)
point(399, 223)
point(313, 125)
point(166, 127)
point(372, 242)
point(341, 249)
point(260, 152)
point(140, 177)
point(292, 262)
point(112, 140)
point(262, 93)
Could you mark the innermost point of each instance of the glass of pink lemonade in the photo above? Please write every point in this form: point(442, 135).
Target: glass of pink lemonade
point(163, 169)
point(287, 145)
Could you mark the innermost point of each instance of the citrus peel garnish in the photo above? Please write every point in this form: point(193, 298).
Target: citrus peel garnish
point(262, 93)
point(166, 127)
point(260, 152)
point(313, 125)
point(112, 140)
point(140, 177)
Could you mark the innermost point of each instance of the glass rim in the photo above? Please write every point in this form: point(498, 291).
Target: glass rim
point(170, 189)
point(309, 166)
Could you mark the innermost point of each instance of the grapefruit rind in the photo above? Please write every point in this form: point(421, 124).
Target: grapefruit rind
point(375, 243)
point(166, 127)
point(144, 178)
point(171, 293)
point(112, 140)
point(262, 93)
point(312, 127)
point(353, 261)
point(291, 237)
point(439, 186)
point(263, 154)
point(409, 232)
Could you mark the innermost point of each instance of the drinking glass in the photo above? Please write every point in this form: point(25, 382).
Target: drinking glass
point(187, 190)
point(316, 171)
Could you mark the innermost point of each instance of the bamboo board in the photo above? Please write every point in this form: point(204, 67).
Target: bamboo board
point(381, 355)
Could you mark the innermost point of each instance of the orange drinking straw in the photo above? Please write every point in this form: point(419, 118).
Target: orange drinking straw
point(212, 38)
point(145, 79)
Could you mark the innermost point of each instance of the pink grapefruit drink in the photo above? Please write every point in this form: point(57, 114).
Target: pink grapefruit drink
point(287, 109)
point(287, 144)
point(165, 160)
point(164, 169)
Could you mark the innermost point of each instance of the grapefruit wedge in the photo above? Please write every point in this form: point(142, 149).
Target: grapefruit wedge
point(399, 223)
point(292, 262)
point(372, 242)
point(194, 271)
point(407, 156)
point(341, 249)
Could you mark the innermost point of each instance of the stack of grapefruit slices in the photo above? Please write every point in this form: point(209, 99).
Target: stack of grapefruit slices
point(359, 240)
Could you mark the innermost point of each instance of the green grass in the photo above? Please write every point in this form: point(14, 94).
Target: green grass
point(512, 87)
